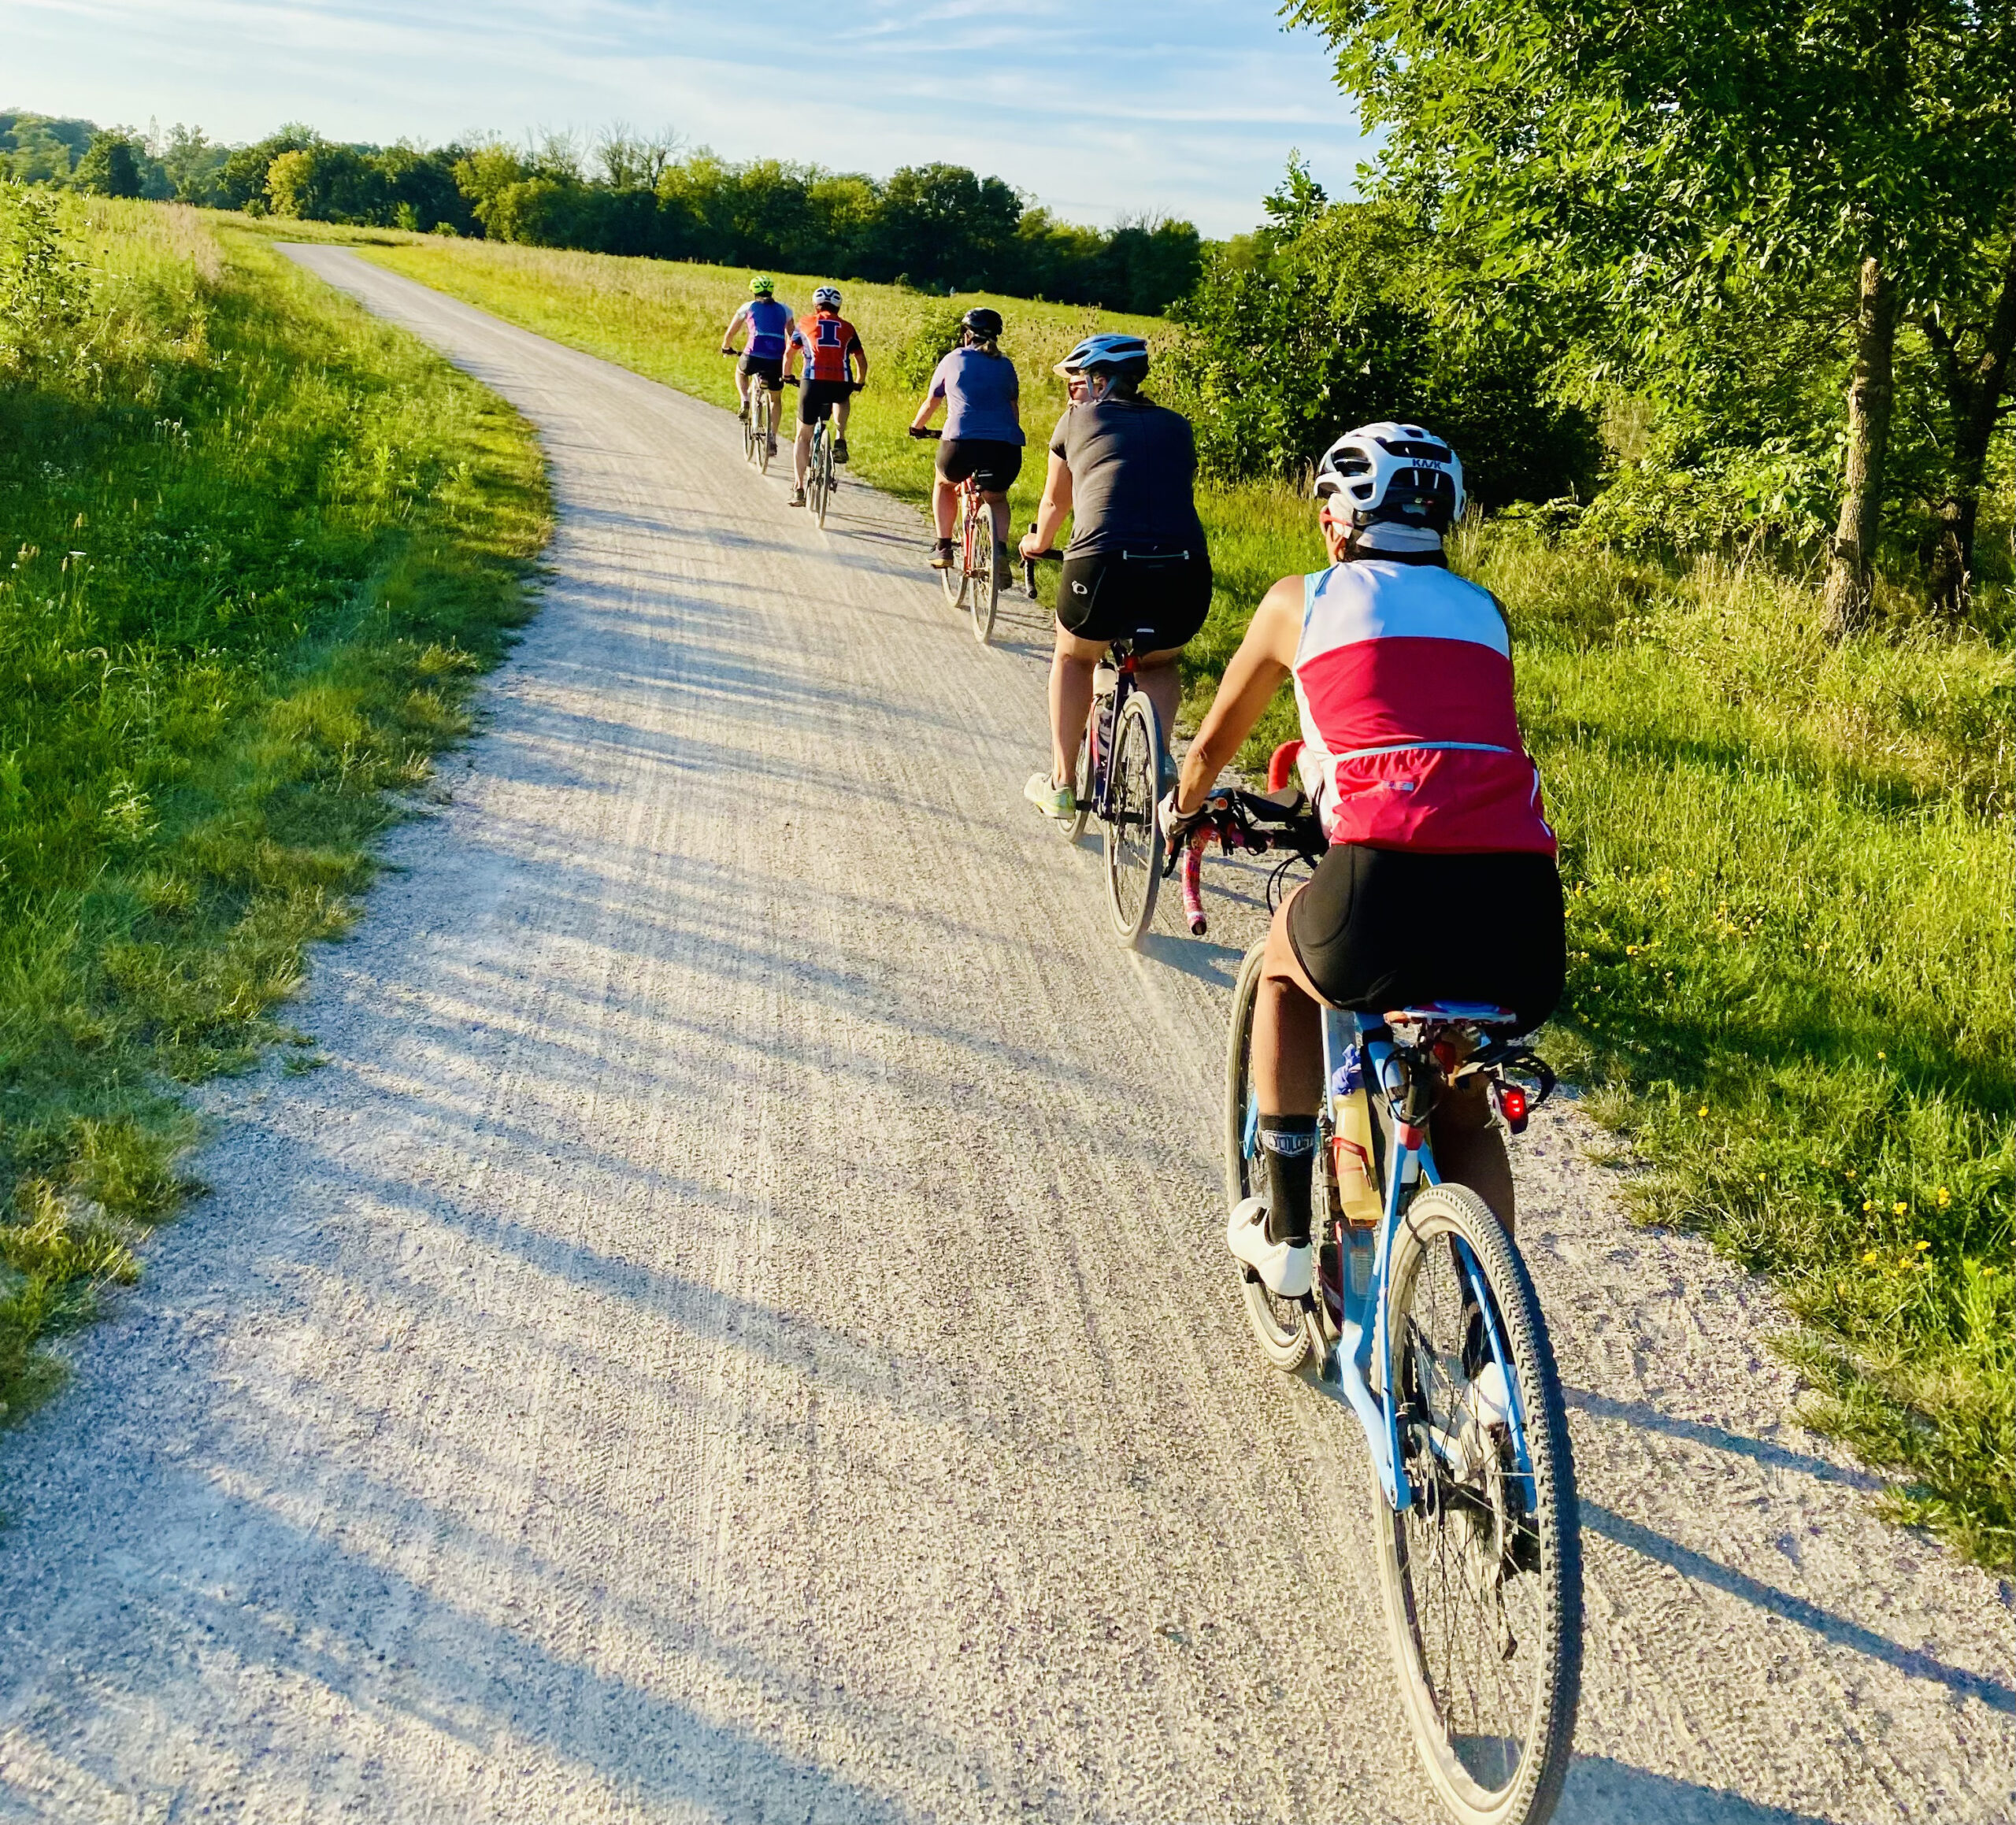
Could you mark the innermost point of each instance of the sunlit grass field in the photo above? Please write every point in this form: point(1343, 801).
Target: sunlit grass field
point(258, 547)
point(1788, 865)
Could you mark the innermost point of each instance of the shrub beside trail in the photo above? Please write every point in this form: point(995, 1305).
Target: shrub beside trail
point(257, 547)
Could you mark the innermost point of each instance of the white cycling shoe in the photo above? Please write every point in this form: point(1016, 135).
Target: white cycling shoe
point(1284, 1268)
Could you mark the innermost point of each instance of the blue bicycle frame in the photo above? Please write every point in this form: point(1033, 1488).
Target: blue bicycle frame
point(1362, 1339)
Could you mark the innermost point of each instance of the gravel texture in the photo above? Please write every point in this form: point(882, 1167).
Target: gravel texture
point(740, 1329)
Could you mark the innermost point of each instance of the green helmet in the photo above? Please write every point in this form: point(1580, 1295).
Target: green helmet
point(760, 286)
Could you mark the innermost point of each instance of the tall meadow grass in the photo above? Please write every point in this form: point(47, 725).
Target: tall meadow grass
point(257, 547)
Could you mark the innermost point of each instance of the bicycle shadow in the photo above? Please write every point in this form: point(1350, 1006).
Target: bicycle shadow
point(1215, 965)
point(1913, 1662)
point(1603, 1791)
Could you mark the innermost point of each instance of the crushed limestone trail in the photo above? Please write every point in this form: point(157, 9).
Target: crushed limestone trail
point(740, 1329)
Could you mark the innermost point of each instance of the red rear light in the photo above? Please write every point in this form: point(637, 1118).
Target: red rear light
point(1512, 1100)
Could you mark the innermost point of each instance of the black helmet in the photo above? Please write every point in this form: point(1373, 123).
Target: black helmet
point(984, 322)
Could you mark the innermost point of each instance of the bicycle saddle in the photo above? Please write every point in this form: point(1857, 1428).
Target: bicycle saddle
point(1436, 1013)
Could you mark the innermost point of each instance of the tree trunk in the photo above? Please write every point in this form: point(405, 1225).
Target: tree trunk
point(1850, 569)
point(1973, 399)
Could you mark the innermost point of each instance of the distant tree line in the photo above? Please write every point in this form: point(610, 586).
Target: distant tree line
point(939, 228)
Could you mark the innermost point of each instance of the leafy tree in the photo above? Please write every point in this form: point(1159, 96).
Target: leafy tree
point(942, 222)
point(1321, 321)
point(240, 184)
point(192, 165)
point(110, 167)
point(1620, 162)
point(38, 151)
point(323, 183)
point(419, 190)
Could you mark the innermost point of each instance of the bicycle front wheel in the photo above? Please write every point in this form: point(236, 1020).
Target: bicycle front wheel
point(952, 580)
point(822, 478)
point(1084, 776)
point(985, 589)
point(1133, 857)
point(1482, 1573)
point(1280, 1326)
point(760, 411)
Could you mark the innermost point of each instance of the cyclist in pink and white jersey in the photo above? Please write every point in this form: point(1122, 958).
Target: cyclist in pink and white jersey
point(1440, 881)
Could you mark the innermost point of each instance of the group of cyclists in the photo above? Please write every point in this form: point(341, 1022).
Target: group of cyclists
point(774, 343)
point(1440, 879)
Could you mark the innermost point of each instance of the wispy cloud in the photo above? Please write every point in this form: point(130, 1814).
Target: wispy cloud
point(1096, 108)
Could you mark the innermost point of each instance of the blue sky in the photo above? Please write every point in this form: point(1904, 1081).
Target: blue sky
point(1186, 107)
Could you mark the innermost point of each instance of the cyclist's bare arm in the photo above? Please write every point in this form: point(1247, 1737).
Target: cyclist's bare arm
point(1265, 658)
point(1056, 504)
point(858, 354)
point(734, 323)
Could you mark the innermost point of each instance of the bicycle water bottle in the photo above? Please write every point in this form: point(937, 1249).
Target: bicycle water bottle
point(1351, 1127)
point(1106, 679)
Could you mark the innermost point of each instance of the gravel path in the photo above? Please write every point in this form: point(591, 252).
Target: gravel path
point(739, 1329)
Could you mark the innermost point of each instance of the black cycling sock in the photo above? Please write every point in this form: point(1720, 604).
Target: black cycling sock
point(1289, 1144)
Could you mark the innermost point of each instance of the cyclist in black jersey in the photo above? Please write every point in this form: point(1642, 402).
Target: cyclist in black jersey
point(1136, 567)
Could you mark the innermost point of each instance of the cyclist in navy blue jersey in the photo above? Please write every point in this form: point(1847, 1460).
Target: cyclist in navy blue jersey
point(982, 397)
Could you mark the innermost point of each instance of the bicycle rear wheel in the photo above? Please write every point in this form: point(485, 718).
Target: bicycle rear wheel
point(985, 588)
point(1133, 857)
point(760, 409)
point(1482, 1574)
point(822, 474)
point(1280, 1326)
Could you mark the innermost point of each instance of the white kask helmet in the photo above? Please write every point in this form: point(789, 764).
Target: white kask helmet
point(1394, 475)
point(828, 294)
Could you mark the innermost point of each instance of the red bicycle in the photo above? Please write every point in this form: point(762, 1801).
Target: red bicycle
point(973, 577)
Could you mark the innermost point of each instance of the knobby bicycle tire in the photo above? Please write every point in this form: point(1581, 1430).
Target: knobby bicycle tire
point(1279, 1325)
point(1133, 863)
point(1084, 778)
point(953, 579)
point(1475, 1540)
point(986, 588)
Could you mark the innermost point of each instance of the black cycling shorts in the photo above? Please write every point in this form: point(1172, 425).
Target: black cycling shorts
point(817, 398)
point(1159, 596)
point(992, 462)
point(768, 368)
point(1380, 929)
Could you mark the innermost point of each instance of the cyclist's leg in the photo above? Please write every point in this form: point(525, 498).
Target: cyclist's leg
point(944, 505)
point(1156, 673)
point(1469, 1148)
point(742, 385)
point(1287, 1083)
point(800, 458)
point(1071, 666)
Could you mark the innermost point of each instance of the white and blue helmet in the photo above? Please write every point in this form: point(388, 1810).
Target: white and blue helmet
point(1394, 475)
point(827, 294)
point(1126, 357)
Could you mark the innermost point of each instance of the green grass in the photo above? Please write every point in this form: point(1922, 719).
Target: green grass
point(1788, 865)
point(258, 548)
